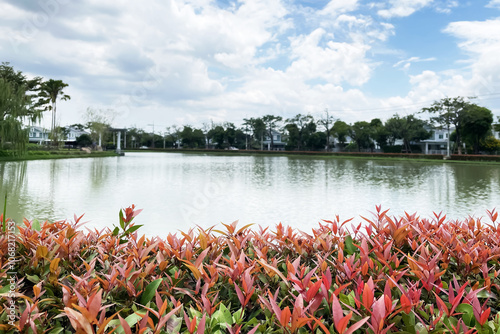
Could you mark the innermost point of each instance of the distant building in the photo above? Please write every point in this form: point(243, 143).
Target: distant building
point(278, 143)
point(72, 134)
point(38, 135)
point(437, 143)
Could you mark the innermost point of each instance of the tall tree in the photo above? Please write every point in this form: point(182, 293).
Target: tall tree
point(299, 129)
point(476, 125)
point(408, 128)
point(51, 91)
point(360, 132)
point(327, 122)
point(340, 130)
point(18, 101)
point(98, 122)
point(450, 111)
point(378, 132)
point(258, 129)
point(272, 123)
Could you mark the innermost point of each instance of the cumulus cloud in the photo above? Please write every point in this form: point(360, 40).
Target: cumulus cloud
point(192, 61)
point(402, 8)
point(493, 4)
point(480, 40)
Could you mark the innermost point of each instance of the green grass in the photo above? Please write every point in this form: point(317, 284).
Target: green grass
point(471, 159)
point(59, 154)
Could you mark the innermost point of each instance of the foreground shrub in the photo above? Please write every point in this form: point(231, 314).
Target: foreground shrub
point(382, 275)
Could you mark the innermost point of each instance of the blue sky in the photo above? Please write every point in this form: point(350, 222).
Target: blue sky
point(178, 62)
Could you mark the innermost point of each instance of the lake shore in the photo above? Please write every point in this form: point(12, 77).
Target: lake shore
point(455, 158)
point(62, 154)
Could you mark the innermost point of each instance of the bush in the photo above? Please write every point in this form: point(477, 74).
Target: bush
point(403, 274)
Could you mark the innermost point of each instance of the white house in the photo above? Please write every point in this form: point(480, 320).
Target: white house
point(437, 143)
point(278, 144)
point(38, 135)
point(74, 133)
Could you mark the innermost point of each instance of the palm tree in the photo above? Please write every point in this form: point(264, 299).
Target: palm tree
point(50, 91)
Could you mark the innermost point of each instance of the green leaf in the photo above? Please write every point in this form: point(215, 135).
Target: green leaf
point(349, 245)
point(486, 294)
point(5, 289)
point(150, 291)
point(224, 315)
point(35, 225)
point(420, 328)
point(122, 222)
point(116, 231)
point(131, 321)
point(133, 229)
point(467, 314)
point(33, 278)
point(237, 316)
point(57, 330)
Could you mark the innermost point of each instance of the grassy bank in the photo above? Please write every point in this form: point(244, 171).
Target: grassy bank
point(494, 159)
point(379, 275)
point(55, 154)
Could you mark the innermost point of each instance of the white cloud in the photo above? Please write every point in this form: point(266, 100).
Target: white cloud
point(481, 42)
point(402, 8)
point(334, 62)
point(337, 7)
point(493, 4)
point(406, 63)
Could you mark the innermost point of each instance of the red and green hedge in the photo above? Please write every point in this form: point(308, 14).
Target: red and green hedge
point(379, 275)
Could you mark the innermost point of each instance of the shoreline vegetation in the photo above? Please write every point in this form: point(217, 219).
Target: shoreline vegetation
point(321, 154)
point(7, 155)
point(53, 154)
point(380, 275)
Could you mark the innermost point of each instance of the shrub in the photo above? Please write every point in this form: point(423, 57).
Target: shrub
point(381, 275)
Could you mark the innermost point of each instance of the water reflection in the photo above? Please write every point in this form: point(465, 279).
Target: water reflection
point(178, 191)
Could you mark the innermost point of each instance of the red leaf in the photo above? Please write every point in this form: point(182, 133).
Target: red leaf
point(313, 290)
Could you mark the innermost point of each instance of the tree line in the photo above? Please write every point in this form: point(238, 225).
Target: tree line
point(469, 125)
point(25, 100)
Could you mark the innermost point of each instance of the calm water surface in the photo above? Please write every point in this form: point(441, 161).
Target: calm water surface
point(178, 191)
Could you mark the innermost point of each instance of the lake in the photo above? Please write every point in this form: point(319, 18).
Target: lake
point(183, 190)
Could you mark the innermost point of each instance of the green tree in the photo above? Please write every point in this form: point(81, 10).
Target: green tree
point(272, 123)
point(18, 101)
point(476, 125)
point(340, 131)
point(98, 123)
point(316, 140)
point(258, 130)
point(217, 135)
point(51, 91)
point(450, 111)
point(496, 126)
point(408, 128)
point(299, 129)
point(378, 132)
point(84, 140)
point(192, 138)
point(360, 132)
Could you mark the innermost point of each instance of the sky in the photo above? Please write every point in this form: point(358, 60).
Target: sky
point(190, 62)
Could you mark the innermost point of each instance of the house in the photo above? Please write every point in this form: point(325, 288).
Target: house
point(72, 134)
point(278, 143)
point(437, 143)
point(38, 135)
